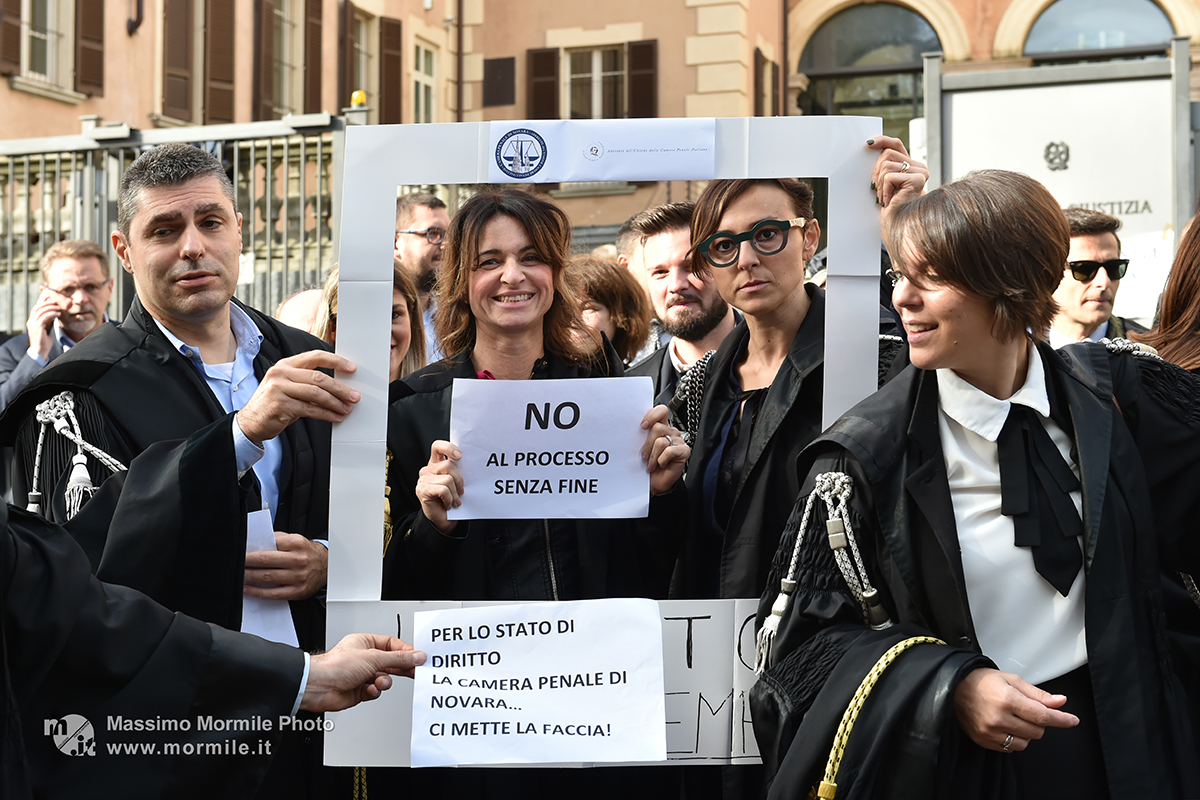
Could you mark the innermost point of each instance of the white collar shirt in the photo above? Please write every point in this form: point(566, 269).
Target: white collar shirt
point(1021, 621)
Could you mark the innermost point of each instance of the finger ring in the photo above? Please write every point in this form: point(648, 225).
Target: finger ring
point(1007, 743)
point(670, 441)
point(905, 167)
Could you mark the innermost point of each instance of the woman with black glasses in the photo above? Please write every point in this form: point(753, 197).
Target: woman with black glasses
point(756, 402)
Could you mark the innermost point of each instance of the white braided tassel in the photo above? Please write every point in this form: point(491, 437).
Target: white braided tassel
point(765, 641)
point(59, 412)
point(79, 485)
point(834, 488)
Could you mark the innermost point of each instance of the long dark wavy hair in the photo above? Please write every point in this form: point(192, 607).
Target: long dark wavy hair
point(1176, 332)
point(550, 231)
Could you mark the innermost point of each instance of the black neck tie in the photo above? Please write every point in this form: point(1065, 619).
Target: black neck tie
point(1035, 490)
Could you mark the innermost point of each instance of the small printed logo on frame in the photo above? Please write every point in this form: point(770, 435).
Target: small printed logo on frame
point(1057, 154)
point(521, 153)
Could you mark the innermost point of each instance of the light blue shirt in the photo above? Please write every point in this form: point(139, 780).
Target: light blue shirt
point(233, 384)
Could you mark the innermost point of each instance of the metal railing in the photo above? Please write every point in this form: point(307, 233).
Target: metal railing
point(286, 173)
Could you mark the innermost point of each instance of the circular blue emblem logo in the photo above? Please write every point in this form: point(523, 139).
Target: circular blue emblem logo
point(521, 153)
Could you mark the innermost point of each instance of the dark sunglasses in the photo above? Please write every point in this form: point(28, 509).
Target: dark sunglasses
point(768, 237)
point(1084, 271)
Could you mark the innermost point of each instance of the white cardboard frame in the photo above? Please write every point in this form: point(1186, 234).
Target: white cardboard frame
point(379, 158)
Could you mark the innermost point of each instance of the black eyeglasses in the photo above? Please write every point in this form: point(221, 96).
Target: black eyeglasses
point(768, 237)
point(432, 235)
point(1084, 271)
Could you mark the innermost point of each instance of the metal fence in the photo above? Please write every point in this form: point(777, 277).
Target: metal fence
point(286, 172)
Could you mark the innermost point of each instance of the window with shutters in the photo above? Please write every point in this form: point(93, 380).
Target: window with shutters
point(362, 62)
point(424, 85)
point(612, 81)
point(596, 83)
point(42, 39)
point(198, 62)
point(53, 48)
point(289, 57)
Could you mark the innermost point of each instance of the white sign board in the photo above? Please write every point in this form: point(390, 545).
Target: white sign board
point(380, 157)
point(707, 668)
point(553, 449)
point(539, 683)
point(708, 703)
point(1106, 146)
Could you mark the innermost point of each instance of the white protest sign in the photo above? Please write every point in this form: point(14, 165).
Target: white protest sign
point(539, 683)
point(602, 150)
point(554, 449)
point(707, 657)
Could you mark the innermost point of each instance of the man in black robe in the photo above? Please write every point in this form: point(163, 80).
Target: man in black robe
point(75, 646)
point(151, 380)
point(188, 357)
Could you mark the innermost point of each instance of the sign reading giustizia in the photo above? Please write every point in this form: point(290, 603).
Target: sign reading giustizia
point(540, 683)
point(555, 449)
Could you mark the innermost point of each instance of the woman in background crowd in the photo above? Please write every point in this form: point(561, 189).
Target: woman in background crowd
point(613, 304)
point(1176, 337)
point(408, 334)
point(1176, 331)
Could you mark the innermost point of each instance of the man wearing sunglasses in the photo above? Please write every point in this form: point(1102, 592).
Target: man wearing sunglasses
point(1090, 282)
point(421, 223)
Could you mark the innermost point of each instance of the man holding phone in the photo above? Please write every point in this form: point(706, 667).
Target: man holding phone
point(76, 288)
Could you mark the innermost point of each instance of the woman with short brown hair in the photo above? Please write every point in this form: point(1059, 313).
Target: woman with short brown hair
point(613, 304)
point(995, 498)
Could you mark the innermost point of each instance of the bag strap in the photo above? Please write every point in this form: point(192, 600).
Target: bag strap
point(828, 786)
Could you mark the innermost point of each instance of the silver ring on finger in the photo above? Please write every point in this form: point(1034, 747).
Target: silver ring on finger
point(1008, 740)
point(905, 167)
point(670, 441)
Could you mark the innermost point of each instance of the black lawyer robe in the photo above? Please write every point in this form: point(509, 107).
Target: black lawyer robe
point(73, 645)
point(133, 390)
point(1129, 453)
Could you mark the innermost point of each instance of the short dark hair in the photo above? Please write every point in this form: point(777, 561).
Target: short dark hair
point(172, 164)
point(717, 197)
point(78, 249)
point(662, 219)
point(997, 234)
point(1086, 222)
point(549, 230)
point(627, 240)
point(407, 202)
